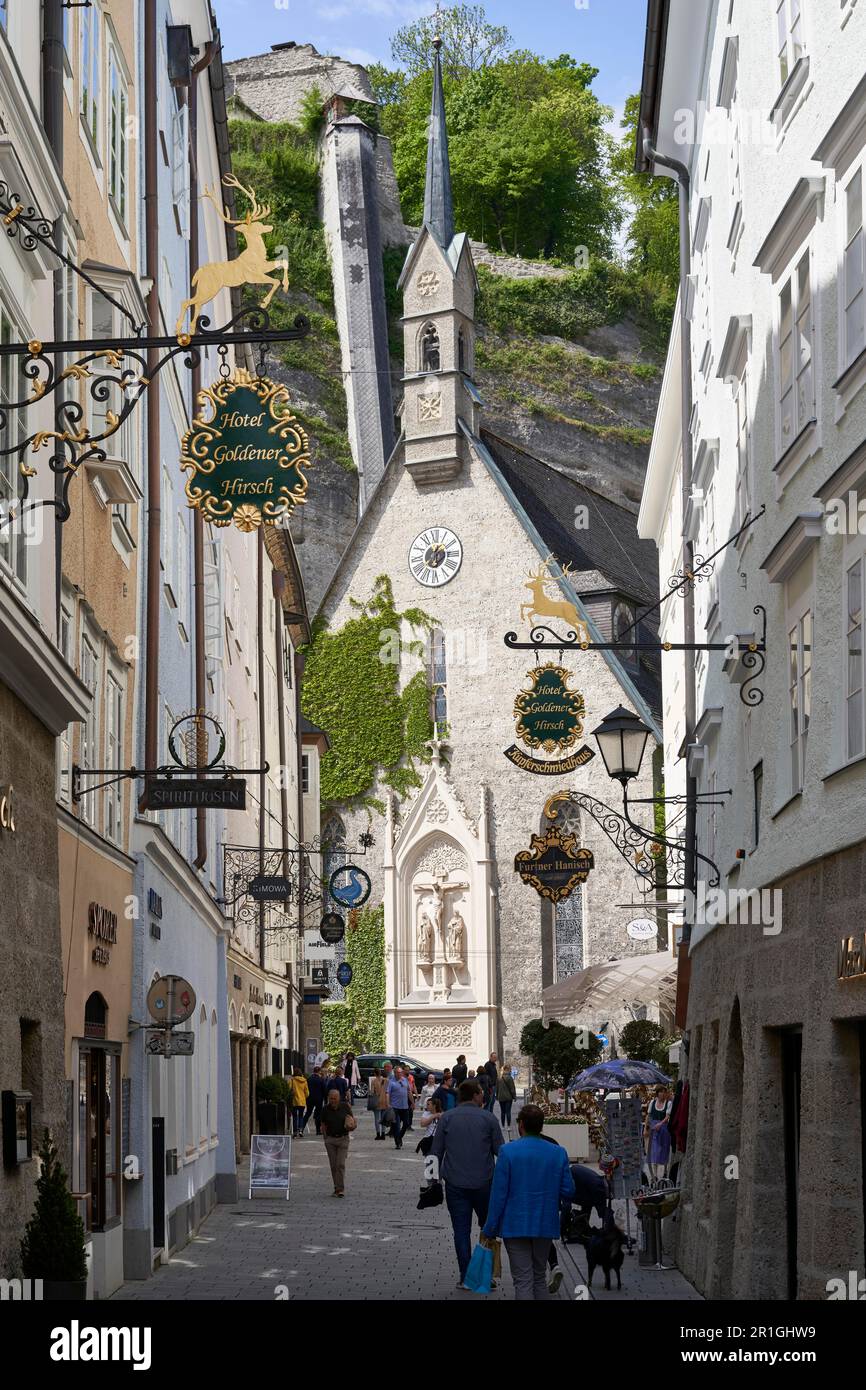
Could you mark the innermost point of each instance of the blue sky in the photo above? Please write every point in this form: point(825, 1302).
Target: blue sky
point(607, 33)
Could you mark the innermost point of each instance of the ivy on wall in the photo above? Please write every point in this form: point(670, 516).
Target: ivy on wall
point(359, 1022)
point(352, 691)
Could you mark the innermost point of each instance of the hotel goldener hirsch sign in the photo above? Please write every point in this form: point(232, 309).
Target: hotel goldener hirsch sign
point(549, 717)
point(245, 460)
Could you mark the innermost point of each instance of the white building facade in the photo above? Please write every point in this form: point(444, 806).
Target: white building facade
point(765, 106)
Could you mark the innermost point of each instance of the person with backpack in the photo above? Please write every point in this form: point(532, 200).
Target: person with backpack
point(316, 1094)
point(483, 1081)
point(300, 1088)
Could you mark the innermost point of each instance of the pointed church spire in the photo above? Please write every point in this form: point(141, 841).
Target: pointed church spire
point(438, 206)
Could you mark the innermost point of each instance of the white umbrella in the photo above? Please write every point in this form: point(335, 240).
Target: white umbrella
point(649, 978)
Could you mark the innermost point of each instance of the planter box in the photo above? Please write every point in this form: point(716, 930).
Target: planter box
point(573, 1138)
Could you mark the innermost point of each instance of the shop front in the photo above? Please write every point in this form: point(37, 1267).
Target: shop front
point(262, 1040)
point(97, 907)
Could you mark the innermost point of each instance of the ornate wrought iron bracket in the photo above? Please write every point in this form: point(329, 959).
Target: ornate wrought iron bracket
point(168, 771)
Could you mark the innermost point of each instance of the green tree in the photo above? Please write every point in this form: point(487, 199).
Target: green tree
point(653, 231)
point(639, 1039)
point(556, 1058)
point(53, 1244)
point(469, 41)
point(529, 154)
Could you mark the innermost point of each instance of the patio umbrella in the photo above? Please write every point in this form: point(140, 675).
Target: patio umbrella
point(616, 1075)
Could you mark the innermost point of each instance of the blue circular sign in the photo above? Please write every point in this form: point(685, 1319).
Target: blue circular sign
point(344, 973)
point(349, 886)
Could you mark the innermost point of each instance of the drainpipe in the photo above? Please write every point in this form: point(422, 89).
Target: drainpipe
point(680, 173)
point(154, 481)
point(302, 864)
point(52, 120)
point(197, 522)
point(279, 584)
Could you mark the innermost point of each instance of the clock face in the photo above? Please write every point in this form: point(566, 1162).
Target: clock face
point(435, 556)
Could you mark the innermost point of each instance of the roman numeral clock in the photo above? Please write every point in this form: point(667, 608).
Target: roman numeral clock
point(435, 556)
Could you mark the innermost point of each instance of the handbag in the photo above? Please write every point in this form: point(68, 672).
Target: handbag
point(388, 1117)
point(371, 1103)
point(350, 1123)
point(479, 1273)
point(431, 1196)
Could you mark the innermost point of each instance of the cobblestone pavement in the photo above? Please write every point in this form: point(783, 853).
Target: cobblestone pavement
point(372, 1244)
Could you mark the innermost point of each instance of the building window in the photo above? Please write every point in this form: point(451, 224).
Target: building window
point(91, 20)
point(800, 695)
point(90, 727)
point(439, 684)
point(854, 650)
point(743, 484)
point(180, 169)
point(623, 629)
point(305, 773)
point(117, 122)
point(183, 617)
point(13, 534)
point(461, 351)
point(430, 352)
point(757, 795)
point(64, 761)
point(790, 47)
point(114, 757)
point(854, 264)
point(796, 392)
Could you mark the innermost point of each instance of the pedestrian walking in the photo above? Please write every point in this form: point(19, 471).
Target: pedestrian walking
point(458, 1072)
point(531, 1180)
point(339, 1083)
point(413, 1097)
point(300, 1096)
point(483, 1081)
point(657, 1131)
point(337, 1124)
point(398, 1099)
point(493, 1075)
point(316, 1094)
point(506, 1094)
point(427, 1090)
point(465, 1145)
point(377, 1101)
point(352, 1074)
point(446, 1092)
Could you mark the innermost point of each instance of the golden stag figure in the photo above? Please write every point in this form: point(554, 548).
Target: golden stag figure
point(544, 605)
point(251, 267)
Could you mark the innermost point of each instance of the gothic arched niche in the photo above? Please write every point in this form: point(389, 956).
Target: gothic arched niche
point(430, 356)
point(441, 917)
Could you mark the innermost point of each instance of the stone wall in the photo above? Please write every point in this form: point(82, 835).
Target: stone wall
point(31, 967)
point(747, 991)
point(274, 85)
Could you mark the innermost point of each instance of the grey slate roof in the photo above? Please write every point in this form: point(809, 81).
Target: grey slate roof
point(438, 204)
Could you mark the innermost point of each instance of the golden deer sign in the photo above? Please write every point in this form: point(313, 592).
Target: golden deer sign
point(543, 604)
point(251, 267)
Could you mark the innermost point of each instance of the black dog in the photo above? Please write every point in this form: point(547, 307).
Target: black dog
point(604, 1250)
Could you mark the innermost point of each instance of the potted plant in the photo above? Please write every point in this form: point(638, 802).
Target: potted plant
point(273, 1096)
point(53, 1247)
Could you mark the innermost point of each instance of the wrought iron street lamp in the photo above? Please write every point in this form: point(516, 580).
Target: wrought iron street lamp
point(621, 737)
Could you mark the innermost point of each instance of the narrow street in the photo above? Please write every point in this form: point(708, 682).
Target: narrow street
point(372, 1245)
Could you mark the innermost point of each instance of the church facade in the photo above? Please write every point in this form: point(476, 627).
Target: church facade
point(488, 539)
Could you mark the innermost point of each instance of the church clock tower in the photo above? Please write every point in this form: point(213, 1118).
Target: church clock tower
point(439, 287)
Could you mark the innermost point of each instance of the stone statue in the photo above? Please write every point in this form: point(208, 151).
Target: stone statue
point(456, 945)
point(425, 938)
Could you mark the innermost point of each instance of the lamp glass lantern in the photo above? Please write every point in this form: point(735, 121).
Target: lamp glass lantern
point(621, 737)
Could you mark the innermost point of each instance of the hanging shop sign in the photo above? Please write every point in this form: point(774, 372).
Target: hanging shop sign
point(170, 1000)
point(315, 948)
point(642, 929)
point(246, 460)
point(344, 973)
point(332, 928)
point(851, 957)
point(217, 794)
point(168, 1044)
point(350, 886)
point(270, 888)
point(547, 600)
point(549, 717)
point(554, 864)
point(319, 974)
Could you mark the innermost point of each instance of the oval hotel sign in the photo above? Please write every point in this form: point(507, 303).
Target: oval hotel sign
point(246, 460)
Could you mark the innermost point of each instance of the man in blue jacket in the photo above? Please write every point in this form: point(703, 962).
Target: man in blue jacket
point(530, 1180)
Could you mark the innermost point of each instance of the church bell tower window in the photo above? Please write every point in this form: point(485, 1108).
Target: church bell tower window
point(430, 352)
point(461, 351)
point(439, 683)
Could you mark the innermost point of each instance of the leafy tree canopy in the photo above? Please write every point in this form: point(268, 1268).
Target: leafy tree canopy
point(555, 1055)
point(652, 247)
point(529, 153)
point(469, 41)
point(639, 1038)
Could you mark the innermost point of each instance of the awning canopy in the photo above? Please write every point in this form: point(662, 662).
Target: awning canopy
point(641, 979)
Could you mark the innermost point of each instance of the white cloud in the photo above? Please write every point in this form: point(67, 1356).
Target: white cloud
point(358, 55)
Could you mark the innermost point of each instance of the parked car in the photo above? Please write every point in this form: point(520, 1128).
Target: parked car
point(419, 1070)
